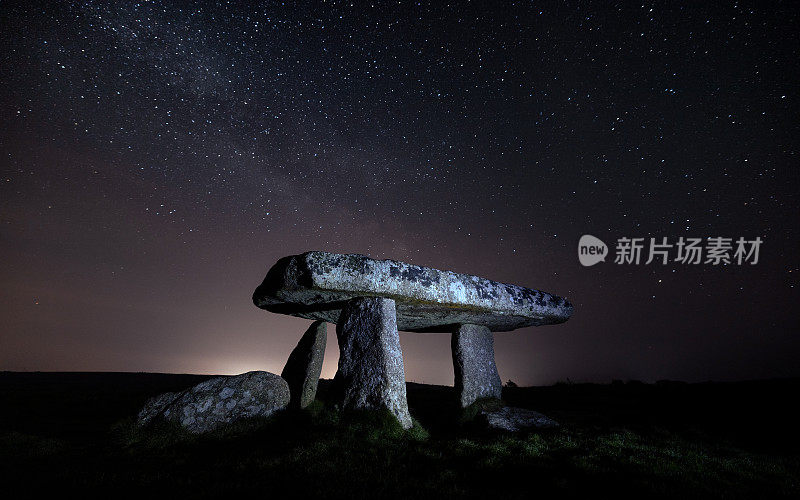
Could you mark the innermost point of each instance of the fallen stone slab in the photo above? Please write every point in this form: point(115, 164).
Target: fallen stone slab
point(513, 419)
point(371, 373)
point(476, 375)
point(304, 365)
point(219, 401)
point(316, 285)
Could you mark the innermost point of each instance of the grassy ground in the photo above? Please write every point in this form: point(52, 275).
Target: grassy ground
point(75, 432)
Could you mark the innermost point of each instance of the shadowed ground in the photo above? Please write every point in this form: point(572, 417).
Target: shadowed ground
point(736, 440)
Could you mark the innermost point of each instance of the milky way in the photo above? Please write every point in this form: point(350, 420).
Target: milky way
point(158, 158)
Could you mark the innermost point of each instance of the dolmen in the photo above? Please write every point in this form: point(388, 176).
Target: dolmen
point(370, 300)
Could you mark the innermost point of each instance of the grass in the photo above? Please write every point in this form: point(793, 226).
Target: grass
point(76, 432)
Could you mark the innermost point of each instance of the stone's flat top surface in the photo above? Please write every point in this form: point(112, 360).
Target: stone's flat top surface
point(315, 285)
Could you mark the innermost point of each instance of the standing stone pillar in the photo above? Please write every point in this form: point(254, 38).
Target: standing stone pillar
point(473, 364)
point(304, 366)
point(371, 373)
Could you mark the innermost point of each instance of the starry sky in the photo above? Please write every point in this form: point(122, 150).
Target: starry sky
point(159, 157)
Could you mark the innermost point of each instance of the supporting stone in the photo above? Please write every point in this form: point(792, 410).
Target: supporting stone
point(371, 373)
point(304, 365)
point(476, 374)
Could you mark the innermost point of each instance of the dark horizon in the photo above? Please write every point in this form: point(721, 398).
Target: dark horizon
point(156, 162)
point(568, 382)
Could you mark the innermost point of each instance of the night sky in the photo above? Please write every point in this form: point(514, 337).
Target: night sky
point(159, 157)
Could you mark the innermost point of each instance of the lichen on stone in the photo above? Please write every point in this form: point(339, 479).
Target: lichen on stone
point(315, 285)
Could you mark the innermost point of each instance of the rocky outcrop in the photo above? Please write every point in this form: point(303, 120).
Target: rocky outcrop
point(371, 374)
point(219, 401)
point(304, 366)
point(516, 419)
point(475, 371)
